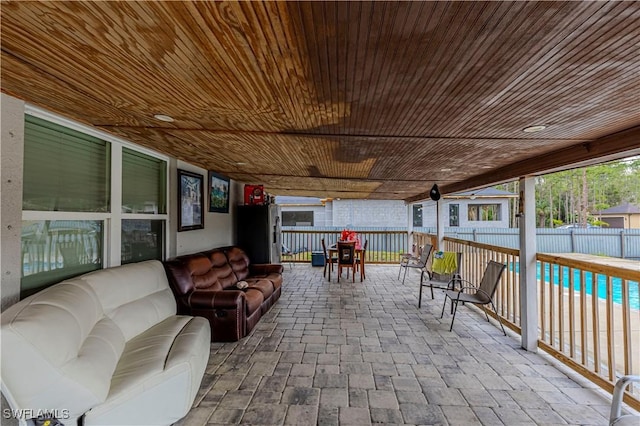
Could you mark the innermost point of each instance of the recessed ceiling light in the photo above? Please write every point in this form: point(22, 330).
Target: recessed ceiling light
point(485, 167)
point(445, 170)
point(533, 129)
point(163, 117)
point(240, 163)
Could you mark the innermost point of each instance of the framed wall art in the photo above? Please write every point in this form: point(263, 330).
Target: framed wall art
point(218, 193)
point(191, 196)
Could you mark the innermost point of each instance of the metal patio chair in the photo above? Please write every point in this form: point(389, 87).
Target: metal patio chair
point(616, 417)
point(478, 295)
point(441, 281)
point(417, 263)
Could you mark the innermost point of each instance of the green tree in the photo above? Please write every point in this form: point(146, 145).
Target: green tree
point(577, 195)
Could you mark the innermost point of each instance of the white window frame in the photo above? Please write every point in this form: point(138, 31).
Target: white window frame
point(112, 221)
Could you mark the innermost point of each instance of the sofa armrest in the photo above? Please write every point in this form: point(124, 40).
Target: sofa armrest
point(226, 299)
point(265, 269)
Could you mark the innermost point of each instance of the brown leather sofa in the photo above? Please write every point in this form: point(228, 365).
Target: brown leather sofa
point(204, 284)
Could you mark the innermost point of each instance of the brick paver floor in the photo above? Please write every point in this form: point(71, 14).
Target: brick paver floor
point(363, 353)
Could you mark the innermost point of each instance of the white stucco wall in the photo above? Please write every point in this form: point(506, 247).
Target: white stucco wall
point(219, 228)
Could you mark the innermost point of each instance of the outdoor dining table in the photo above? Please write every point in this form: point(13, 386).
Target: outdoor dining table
point(359, 253)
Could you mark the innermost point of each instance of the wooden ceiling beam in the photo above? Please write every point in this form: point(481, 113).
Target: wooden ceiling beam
point(608, 148)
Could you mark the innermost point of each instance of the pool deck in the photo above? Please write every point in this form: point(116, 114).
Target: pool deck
point(361, 353)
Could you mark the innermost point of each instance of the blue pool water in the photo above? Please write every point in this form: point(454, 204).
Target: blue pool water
point(634, 292)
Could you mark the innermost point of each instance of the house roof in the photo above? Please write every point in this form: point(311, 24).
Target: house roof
point(625, 208)
point(483, 193)
point(340, 99)
point(289, 200)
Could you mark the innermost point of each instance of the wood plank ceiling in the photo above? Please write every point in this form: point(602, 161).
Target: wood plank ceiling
point(341, 99)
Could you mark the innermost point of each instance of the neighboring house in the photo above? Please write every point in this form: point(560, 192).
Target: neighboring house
point(306, 211)
point(624, 216)
point(486, 208)
point(302, 211)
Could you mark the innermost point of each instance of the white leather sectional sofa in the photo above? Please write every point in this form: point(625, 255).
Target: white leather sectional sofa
point(108, 346)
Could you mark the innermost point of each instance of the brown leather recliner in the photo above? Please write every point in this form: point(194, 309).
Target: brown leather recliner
point(204, 284)
point(257, 275)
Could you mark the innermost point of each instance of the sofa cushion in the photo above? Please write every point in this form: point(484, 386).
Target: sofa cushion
point(265, 286)
point(254, 300)
point(135, 296)
point(243, 269)
point(59, 350)
point(158, 375)
point(202, 276)
point(239, 262)
point(222, 269)
point(276, 279)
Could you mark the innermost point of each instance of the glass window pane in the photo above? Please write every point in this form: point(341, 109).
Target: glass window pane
point(417, 215)
point(454, 215)
point(53, 251)
point(143, 183)
point(297, 218)
point(64, 170)
point(484, 212)
point(142, 239)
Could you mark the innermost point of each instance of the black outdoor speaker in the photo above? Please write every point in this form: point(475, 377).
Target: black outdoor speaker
point(434, 193)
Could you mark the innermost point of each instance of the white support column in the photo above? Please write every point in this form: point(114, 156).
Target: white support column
point(528, 280)
point(172, 209)
point(410, 228)
point(440, 223)
point(114, 225)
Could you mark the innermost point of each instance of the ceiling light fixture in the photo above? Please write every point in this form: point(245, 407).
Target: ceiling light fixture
point(533, 129)
point(240, 163)
point(163, 117)
point(445, 170)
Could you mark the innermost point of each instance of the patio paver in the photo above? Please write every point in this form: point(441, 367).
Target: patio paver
point(361, 353)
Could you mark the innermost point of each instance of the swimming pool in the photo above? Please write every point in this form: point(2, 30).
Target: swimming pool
point(634, 292)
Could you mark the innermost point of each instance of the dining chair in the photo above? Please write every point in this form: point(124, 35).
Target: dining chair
point(478, 295)
point(328, 261)
point(361, 258)
point(347, 258)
